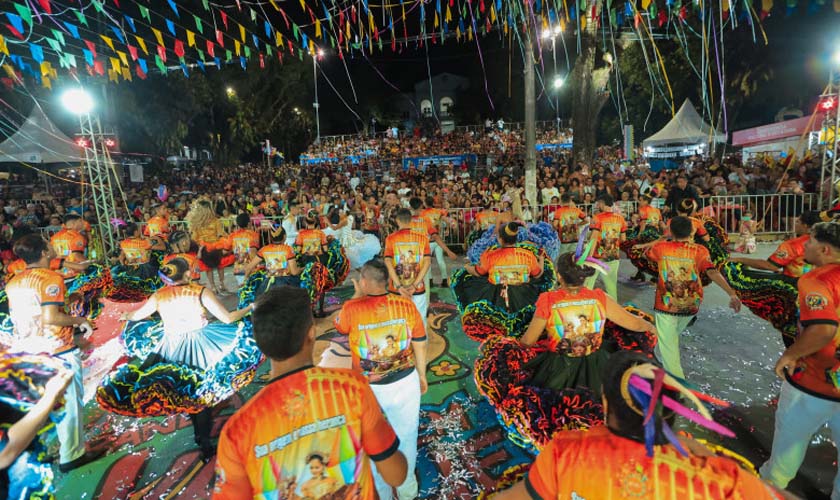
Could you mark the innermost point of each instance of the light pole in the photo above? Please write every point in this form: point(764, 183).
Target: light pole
point(830, 160)
point(558, 84)
point(317, 55)
point(553, 33)
point(103, 180)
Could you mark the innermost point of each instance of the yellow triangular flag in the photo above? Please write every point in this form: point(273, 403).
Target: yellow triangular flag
point(370, 22)
point(492, 13)
point(274, 4)
point(158, 36)
point(242, 33)
point(142, 44)
point(113, 76)
point(3, 48)
point(115, 63)
point(318, 28)
point(469, 33)
point(45, 68)
point(236, 46)
point(437, 23)
point(347, 34)
point(123, 57)
point(448, 14)
point(302, 5)
point(458, 33)
point(279, 38)
point(108, 42)
point(126, 73)
point(190, 38)
point(46, 83)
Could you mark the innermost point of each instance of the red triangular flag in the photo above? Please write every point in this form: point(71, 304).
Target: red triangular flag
point(220, 38)
point(161, 50)
point(262, 61)
point(45, 4)
point(224, 18)
point(91, 47)
point(140, 73)
point(211, 49)
point(99, 68)
point(14, 31)
point(178, 48)
point(133, 51)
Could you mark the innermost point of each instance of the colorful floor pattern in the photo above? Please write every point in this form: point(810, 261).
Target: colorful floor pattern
point(463, 450)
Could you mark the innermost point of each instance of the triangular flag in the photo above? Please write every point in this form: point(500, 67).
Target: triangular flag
point(91, 47)
point(53, 45)
point(178, 48)
point(206, 4)
point(210, 48)
point(115, 63)
point(184, 69)
point(37, 52)
point(170, 26)
point(45, 4)
point(247, 52)
point(118, 33)
point(108, 42)
point(242, 33)
point(242, 62)
point(141, 63)
point(132, 51)
point(144, 12)
point(198, 25)
point(174, 8)
point(126, 73)
point(161, 52)
point(25, 13)
point(160, 65)
point(98, 6)
point(81, 17)
point(236, 46)
point(220, 38)
point(3, 48)
point(228, 56)
point(123, 57)
point(158, 36)
point(278, 38)
point(71, 60)
point(190, 38)
point(224, 18)
point(267, 26)
point(72, 28)
point(17, 23)
point(256, 41)
point(130, 22)
point(142, 44)
point(88, 57)
point(59, 36)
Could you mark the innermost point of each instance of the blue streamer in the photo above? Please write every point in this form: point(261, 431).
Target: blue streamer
point(242, 61)
point(88, 56)
point(118, 33)
point(170, 26)
point(72, 28)
point(256, 41)
point(16, 21)
point(174, 8)
point(267, 29)
point(37, 52)
point(130, 22)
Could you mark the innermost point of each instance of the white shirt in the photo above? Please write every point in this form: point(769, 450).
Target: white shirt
point(548, 193)
point(291, 230)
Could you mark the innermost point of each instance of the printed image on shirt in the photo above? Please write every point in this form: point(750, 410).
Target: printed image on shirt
point(276, 263)
point(682, 285)
point(578, 325)
point(241, 247)
point(407, 258)
point(609, 245)
point(569, 227)
point(514, 274)
point(310, 245)
point(134, 256)
point(384, 348)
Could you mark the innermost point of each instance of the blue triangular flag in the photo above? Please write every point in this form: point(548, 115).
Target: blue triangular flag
point(37, 52)
point(72, 29)
point(88, 56)
point(143, 66)
point(628, 9)
point(118, 32)
point(171, 26)
point(17, 60)
point(326, 12)
point(267, 29)
point(305, 41)
point(256, 41)
point(174, 8)
point(16, 21)
point(184, 69)
point(537, 6)
point(218, 62)
point(130, 22)
point(242, 61)
point(200, 65)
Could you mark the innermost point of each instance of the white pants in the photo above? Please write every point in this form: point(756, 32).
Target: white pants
point(421, 301)
point(400, 402)
point(668, 330)
point(610, 279)
point(70, 430)
point(798, 417)
point(437, 251)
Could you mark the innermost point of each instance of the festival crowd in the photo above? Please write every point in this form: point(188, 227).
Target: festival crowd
point(577, 379)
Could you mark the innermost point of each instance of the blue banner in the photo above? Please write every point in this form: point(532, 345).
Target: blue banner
point(565, 145)
point(422, 162)
point(355, 159)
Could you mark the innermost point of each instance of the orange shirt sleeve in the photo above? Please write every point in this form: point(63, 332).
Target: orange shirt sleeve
point(653, 253)
point(231, 477)
point(323, 238)
point(484, 264)
point(430, 228)
point(783, 255)
point(543, 306)
point(703, 260)
point(427, 248)
point(541, 481)
point(261, 252)
point(378, 437)
point(701, 230)
point(299, 239)
point(595, 225)
point(533, 265)
point(343, 322)
point(816, 303)
point(389, 247)
point(52, 291)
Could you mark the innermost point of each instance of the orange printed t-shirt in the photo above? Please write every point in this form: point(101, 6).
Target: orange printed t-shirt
point(568, 220)
point(310, 241)
point(422, 225)
point(508, 266)
point(679, 289)
point(157, 226)
point(15, 267)
point(381, 329)
point(68, 245)
point(486, 218)
point(433, 215)
point(819, 304)
point(310, 433)
point(790, 256)
point(610, 227)
point(651, 215)
point(211, 235)
point(192, 261)
point(599, 464)
point(241, 243)
point(276, 258)
point(136, 250)
point(28, 292)
point(407, 249)
point(696, 225)
point(574, 321)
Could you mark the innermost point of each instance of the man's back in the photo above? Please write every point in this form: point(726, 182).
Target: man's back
point(308, 434)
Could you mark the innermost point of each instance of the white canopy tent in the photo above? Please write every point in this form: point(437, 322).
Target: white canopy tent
point(38, 140)
point(685, 135)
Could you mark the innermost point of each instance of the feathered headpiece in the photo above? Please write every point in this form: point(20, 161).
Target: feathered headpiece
point(583, 253)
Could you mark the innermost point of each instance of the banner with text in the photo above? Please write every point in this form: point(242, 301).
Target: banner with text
point(422, 162)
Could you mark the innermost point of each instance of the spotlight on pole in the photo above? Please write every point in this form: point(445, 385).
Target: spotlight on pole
point(558, 82)
point(77, 101)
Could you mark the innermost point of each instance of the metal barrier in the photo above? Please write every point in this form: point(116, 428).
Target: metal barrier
point(774, 213)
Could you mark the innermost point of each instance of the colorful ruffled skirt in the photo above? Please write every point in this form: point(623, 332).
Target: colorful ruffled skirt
point(134, 283)
point(718, 244)
point(260, 282)
point(541, 234)
point(487, 309)
point(179, 373)
point(22, 379)
point(537, 392)
point(637, 256)
point(84, 290)
point(770, 296)
point(324, 272)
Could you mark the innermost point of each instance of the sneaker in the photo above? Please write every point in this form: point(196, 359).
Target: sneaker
point(88, 457)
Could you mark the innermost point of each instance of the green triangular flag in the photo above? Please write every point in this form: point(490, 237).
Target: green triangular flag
point(81, 16)
point(144, 12)
point(653, 10)
point(160, 65)
point(24, 12)
point(332, 42)
point(247, 52)
point(268, 50)
point(71, 60)
point(62, 61)
point(355, 46)
point(300, 54)
point(228, 56)
point(253, 15)
point(295, 32)
point(59, 36)
point(201, 55)
point(53, 44)
point(98, 6)
point(206, 4)
point(198, 25)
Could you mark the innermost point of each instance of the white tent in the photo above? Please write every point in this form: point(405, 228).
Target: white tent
point(38, 140)
point(685, 128)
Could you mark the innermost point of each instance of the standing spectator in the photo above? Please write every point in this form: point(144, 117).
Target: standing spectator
point(680, 191)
